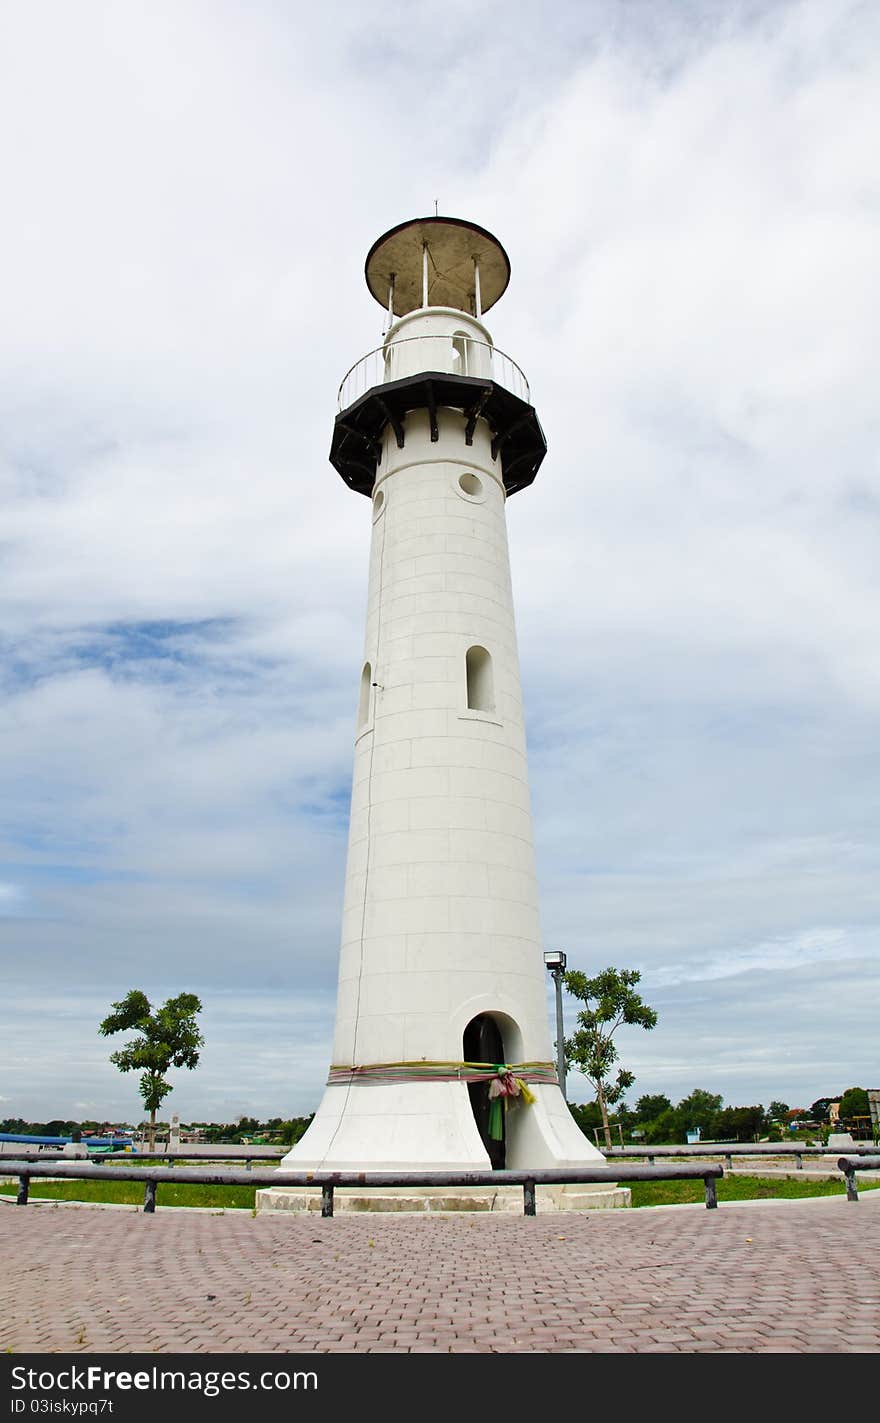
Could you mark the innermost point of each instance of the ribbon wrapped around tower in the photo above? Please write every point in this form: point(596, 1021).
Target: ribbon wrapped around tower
point(504, 1089)
point(508, 1084)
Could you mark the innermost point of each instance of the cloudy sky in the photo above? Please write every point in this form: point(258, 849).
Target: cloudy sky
point(689, 196)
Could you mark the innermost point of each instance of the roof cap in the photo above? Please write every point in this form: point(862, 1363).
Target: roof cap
point(453, 248)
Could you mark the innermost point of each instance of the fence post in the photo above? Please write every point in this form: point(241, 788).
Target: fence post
point(852, 1190)
point(529, 1206)
point(149, 1197)
point(711, 1193)
point(22, 1197)
point(326, 1201)
point(799, 1161)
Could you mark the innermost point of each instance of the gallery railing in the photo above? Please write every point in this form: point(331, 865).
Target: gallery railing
point(451, 355)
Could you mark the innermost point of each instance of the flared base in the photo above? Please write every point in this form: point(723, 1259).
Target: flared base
point(418, 1126)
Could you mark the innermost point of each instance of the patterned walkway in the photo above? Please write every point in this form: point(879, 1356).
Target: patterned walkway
point(791, 1277)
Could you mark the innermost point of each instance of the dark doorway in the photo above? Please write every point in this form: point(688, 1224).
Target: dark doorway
point(483, 1043)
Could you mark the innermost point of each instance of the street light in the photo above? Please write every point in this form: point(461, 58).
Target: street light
point(554, 962)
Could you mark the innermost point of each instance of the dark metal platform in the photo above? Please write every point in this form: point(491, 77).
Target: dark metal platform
point(517, 438)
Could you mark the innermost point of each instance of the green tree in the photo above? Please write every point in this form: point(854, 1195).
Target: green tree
point(854, 1103)
point(610, 1002)
point(292, 1130)
point(651, 1106)
point(778, 1111)
point(819, 1108)
point(739, 1123)
point(699, 1110)
point(664, 1130)
point(167, 1038)
point(587, 1116)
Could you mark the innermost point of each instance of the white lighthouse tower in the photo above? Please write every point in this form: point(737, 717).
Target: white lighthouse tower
point(441, 976)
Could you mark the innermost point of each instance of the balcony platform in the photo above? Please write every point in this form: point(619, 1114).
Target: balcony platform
point(517, 438)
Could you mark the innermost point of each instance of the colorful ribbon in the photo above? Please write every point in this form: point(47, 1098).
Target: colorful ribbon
point(507, 1084)
point(504, 1089)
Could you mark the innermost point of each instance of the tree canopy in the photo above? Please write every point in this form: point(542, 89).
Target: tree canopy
point(610, 1002)
point(168, 1037)
point(819, 1108)
point(854, 1103)
point(651, 1105)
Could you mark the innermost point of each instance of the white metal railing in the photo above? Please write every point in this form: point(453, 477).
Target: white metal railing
point(453, 355)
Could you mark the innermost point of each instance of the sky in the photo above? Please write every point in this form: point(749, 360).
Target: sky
point(689, 196)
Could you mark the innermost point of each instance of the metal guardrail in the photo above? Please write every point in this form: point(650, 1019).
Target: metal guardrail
point(413, 354)
point(328, 1181)
point(849, 1165)
point(205, 1156)
point(756, 1150)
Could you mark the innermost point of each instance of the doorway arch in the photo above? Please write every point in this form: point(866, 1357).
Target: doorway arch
point(483, 1042)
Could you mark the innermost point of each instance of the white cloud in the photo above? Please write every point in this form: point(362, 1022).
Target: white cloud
point(689, 197)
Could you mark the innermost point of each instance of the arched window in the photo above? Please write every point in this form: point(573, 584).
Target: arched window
point(480, 680)
point(366, 691)
point(460, 353)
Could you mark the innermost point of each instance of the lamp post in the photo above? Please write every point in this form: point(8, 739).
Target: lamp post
point(554, 962)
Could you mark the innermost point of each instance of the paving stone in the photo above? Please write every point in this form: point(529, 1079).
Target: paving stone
point(616, 1282)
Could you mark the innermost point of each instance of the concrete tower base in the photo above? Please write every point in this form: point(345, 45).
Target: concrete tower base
point(446, 1199)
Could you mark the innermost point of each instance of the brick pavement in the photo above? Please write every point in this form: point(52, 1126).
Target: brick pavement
point(792, 1277)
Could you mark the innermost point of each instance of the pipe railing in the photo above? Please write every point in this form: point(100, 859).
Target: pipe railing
point(449, 355)
point(328, 1181)
point(202, 1153)
point(169, 1156)
point(850, 1164)
point(728, 1151)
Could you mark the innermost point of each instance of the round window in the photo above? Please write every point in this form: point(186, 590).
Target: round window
point(378, 502)
point(469, 484)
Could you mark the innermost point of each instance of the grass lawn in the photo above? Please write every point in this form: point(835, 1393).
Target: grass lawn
point(131, 1193)
point(738, 1188)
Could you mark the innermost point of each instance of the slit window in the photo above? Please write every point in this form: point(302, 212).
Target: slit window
point(366, 692)
point(480, 680)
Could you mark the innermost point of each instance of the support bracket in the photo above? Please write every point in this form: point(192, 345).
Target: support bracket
point(501, 440)
point(393, 421)
point(431, 402)
point(374, 445)
point(473, 416)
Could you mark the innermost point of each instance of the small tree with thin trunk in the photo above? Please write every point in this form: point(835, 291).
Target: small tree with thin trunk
point(610, 1002)
point(167, 1038)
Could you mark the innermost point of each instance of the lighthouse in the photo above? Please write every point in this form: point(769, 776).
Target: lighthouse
point(442, 1057)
